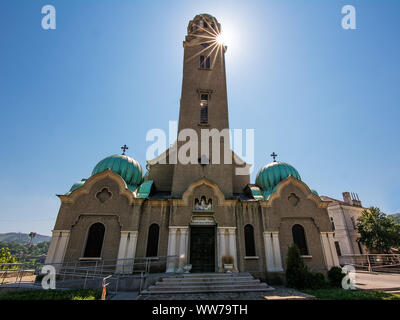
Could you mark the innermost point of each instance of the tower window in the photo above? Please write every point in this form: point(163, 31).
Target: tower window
point(299, 239)
point(152, 240)
point(333, 224)
point(94, 242)
point(249, 240)
point(204, 108)
point(205, 62)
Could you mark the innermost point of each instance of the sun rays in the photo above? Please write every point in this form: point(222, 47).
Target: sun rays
point(211, 38)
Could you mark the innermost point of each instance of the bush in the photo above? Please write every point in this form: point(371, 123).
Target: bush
point(315, 281)
point(297, 274)
point(335, 276)
point(296, 270)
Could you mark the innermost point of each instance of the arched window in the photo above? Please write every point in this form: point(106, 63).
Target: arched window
point(299, 238)
point(249, 240)
point(94, 241)
point(152, 241)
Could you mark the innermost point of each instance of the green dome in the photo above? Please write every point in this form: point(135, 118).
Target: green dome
point(315, 192)
point(128, 168)
point(273, 173)
point(76, 185)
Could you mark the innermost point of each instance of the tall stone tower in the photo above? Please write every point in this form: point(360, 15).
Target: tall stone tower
point(204, 107)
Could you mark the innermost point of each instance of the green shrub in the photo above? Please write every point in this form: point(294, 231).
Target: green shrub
point(296, 270)
point(297, 274)
point(315, 281)
point(335, 276)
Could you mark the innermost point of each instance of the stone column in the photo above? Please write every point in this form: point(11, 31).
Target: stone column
point(126, 251)
point(58, 246)
point(269, 253)
point(183, 246)
point(171, 262)
point(327, 250)
point(232, 247)
point(221, 247)
point(335, 258)
point(277, 252)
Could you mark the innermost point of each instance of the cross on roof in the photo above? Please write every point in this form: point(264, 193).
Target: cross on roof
point(124, 148)
point(274, 155)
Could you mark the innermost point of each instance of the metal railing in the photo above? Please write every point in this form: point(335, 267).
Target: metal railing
point(373, 262)
point(81, 272)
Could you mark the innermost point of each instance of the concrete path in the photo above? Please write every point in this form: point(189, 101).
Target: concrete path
point(378, 281)
point(124, 295)
point(280, 293)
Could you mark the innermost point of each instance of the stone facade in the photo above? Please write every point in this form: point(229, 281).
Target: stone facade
point(344, 215)
point(185, 196)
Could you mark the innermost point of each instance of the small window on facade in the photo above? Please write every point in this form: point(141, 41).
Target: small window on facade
point(94, 242)
point(339, 253)
point(152, 240)
point(204, 108)
point(333, 224)
point(299, 238)
point(249, 240)
point(205, 62)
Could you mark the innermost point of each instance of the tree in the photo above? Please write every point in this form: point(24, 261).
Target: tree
point(6, 257)
point(296, 270)
point(378, 231)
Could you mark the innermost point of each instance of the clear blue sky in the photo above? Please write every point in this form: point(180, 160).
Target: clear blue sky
point(324, 98)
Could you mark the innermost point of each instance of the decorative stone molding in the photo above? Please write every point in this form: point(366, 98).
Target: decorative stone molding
point(85, 189)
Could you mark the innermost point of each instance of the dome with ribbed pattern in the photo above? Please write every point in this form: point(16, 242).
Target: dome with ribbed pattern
point(273, 173)
point(128, 168)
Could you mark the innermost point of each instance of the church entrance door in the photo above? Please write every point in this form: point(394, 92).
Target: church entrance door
point(202, 249)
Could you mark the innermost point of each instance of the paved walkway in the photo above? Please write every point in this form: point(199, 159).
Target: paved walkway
point(280, 293)
point(382, 281)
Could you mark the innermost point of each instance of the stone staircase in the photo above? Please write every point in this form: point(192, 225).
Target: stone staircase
point(207, 283)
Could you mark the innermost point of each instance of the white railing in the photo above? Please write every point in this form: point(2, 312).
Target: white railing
point(372, 262)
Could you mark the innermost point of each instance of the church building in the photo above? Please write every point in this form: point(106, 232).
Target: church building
point(203, 212)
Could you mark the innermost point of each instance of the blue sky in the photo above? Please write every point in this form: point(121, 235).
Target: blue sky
point(324, 98)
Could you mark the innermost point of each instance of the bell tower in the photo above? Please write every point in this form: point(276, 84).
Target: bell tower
point(204, 106)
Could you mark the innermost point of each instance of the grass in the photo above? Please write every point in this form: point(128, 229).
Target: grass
point(341, 294)
point(82, 294)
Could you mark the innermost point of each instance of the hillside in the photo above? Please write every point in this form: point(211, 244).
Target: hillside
point(396, 216)
point(22, 238)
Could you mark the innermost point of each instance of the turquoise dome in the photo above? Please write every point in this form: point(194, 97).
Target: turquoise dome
point(273, 173)
point(128, 168)
point(76, 185)
point(315, 192)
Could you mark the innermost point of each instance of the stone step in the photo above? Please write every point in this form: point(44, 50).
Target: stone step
point(185, 291)
point(205, 287)
point(206, 282)
point(173, 279)
point(213, 275)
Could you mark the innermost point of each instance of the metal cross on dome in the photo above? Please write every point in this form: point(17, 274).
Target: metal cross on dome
point(124, 148)
point(274, 155)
